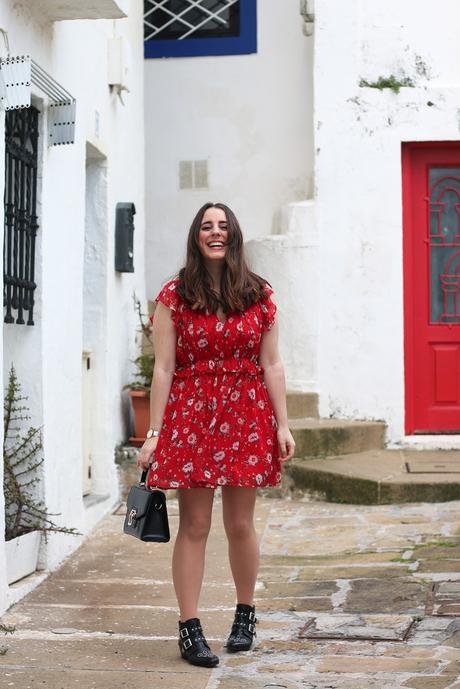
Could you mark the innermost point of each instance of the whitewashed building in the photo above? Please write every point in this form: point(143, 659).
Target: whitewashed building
point(387, 173)
point(333, 134)
point(334, 137)
point(70, 323)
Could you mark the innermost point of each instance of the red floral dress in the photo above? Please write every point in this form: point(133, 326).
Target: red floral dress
point(218, 428)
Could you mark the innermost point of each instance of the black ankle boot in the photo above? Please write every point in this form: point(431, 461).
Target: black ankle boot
point(193, 645)
point(243, 629)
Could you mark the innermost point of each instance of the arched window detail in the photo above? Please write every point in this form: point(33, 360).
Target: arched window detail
point(444, 243)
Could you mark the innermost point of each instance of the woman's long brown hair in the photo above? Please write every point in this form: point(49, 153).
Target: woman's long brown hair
point(240, 287)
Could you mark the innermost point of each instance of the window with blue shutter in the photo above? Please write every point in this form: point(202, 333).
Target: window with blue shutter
point(191, 28)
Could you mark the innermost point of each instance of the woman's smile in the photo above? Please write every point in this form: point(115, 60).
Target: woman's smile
point(213, 234)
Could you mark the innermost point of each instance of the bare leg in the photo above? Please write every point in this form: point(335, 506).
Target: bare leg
point(243, 546)
point(195, 511)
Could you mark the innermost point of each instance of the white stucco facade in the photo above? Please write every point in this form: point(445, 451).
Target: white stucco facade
point(291, 259)
point(81, 302)
point(358, 135)
point(248, 116)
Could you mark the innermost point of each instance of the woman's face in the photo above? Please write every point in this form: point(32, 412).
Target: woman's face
point(213, 234)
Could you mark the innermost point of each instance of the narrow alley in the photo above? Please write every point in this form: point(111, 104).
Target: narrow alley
point(349, 597)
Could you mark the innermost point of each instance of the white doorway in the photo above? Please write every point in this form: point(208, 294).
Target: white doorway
point(93, 381)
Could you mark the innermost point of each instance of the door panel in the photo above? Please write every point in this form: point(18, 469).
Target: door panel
point(431, 199)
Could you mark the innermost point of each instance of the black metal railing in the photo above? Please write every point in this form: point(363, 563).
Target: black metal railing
point(21, 139)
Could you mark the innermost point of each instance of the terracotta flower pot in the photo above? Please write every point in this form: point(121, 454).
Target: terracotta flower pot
point(140, 400)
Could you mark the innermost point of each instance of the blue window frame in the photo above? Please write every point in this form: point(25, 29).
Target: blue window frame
point(192, 28)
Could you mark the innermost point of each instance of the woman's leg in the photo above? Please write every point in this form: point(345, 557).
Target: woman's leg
point(195, 510)
point(243, 546)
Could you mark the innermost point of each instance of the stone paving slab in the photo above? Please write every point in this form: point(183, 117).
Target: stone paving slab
point(429, 682)
point(346, 567)
point(102, 679)
point(394, 596)
point(378, 627)
point(123, 620)
point(111, 592)
point(372, 664)
point(60, 653)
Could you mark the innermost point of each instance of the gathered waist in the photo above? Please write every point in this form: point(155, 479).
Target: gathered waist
point(219, 366)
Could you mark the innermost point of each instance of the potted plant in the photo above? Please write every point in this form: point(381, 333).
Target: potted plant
point(139, 389)
point(26, 517)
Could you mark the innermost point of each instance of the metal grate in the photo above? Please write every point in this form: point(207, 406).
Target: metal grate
point(179, 19)
point(193, 174)
point(21, 138)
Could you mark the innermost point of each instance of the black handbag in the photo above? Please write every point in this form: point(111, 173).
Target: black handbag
point(146, 514)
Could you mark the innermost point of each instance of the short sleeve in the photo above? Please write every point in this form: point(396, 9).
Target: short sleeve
point(268, 308)
point(169, 297)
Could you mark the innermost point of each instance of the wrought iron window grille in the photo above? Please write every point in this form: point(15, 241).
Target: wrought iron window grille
point(187, 28)
point(17, 74)
point(21, 147)
point(190, 17)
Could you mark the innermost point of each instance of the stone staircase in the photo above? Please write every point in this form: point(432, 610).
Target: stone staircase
point(346, 461)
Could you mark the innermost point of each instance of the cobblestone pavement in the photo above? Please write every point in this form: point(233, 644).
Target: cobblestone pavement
point(349, 597)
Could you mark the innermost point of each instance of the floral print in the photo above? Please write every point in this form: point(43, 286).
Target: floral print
point(218, 428)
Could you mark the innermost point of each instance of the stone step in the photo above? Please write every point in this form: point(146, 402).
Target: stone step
point(302, 404)
point(380, 477)
point(325, 437)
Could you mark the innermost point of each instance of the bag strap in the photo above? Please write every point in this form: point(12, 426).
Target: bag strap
point(143, 478)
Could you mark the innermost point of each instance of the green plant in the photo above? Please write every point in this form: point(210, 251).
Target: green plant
point(144, 362)
point(21, 460)
point(392, 82)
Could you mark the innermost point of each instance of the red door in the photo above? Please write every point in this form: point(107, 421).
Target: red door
point(431, 204)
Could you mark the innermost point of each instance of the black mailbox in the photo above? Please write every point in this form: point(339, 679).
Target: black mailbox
point(124, 237)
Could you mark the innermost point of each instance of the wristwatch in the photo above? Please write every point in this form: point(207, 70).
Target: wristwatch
point(152, 433)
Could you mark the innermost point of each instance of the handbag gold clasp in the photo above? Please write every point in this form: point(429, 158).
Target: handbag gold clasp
point(131, 516)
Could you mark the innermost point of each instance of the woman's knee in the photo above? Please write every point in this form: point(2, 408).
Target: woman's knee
point(195, 527)
point(238, 530)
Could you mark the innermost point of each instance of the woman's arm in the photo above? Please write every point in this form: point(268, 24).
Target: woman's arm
point(164, 345)
point(270, 360)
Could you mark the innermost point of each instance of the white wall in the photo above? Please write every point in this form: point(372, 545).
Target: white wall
point(358, 135)
point(250, 116)
point(289, 261)
point(49, 354)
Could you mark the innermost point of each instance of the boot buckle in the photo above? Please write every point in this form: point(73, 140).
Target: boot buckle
point(187, 643)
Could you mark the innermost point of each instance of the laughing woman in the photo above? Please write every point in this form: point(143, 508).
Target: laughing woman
point(218, 415)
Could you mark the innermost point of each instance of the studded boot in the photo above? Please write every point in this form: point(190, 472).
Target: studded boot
point(193, 645)
point(243, 629)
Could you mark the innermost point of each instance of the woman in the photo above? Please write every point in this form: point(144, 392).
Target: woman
point(218, 415)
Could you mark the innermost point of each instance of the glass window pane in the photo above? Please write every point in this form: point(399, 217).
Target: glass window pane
point(178, 19)
point(444, 243)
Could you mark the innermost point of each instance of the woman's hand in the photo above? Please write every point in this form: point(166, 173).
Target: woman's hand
point(145, 456)
point(286, 443)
